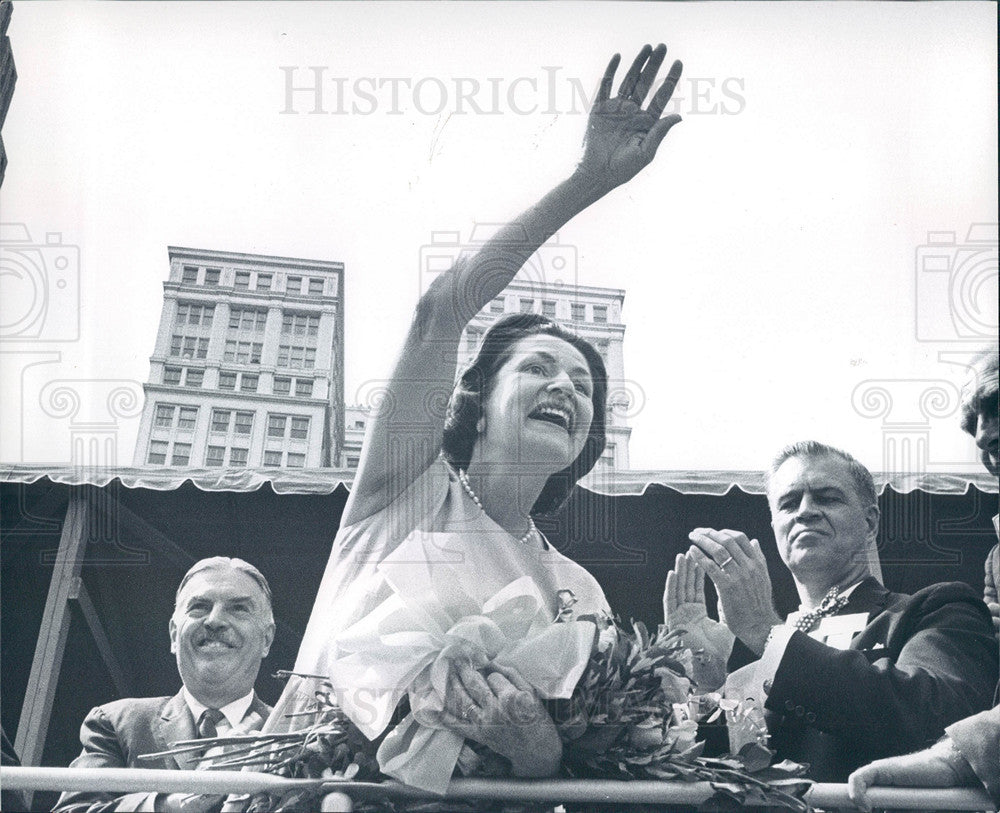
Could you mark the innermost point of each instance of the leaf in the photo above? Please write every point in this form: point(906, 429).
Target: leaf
point(755, 757)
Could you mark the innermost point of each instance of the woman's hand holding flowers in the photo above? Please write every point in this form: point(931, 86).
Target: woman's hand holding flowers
point(501, 711)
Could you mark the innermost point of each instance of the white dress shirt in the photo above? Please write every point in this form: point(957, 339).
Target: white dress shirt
point(234, 712)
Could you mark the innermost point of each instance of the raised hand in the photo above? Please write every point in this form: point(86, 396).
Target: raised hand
point(684, 609)
point(738, 570)
point(622, 138)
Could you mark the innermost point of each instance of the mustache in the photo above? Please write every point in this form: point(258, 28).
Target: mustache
point(211, 638)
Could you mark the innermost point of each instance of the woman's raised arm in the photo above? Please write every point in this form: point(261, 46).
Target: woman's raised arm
point(405, 436)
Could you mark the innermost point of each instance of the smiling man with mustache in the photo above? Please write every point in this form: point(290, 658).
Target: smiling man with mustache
point(221, 629)
point(858, 672)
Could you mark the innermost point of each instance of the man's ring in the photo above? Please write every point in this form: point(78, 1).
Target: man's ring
point(722, 566)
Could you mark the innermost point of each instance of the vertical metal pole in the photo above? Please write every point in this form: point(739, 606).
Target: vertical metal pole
point(46, 665)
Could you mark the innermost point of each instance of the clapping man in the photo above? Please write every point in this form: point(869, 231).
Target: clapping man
point(970, 751)
point(858, 672)
point(221, 629)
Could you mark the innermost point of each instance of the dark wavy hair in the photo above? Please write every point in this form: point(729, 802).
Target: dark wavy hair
point(466, 405)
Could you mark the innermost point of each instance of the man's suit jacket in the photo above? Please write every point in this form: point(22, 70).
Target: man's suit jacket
point(116, 734)
point(921, 663)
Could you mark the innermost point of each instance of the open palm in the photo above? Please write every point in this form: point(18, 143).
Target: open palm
point(622, 138)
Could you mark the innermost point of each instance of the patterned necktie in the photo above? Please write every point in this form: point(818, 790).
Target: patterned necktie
point(207, 724)
point(830, 604)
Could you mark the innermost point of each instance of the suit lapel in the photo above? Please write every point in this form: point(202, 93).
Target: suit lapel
point(175, 724)
point(868, 597)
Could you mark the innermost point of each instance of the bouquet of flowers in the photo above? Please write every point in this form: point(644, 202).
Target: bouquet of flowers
point(631, 712)
point(635, 715)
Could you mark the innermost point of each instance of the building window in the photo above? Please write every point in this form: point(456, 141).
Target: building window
point(244, 423)
point(602, 348)
point(315, 286)
point(247, 319)
point(300, 324)
point(227, 381)
point(304, 387)
point(293, 285)
point(163, 416)
point(242, 352)
point(296, 357)
point(527, 305)
point(359, 424)
point(190, 275)
point(352, 462)
point(241, 282)
point(187, 417)
point(276, 426)
point(578, 311)
point(157, 452)
point(472, 339)
point(300, 428)
point(220, 420)
point(181, 455)
point(272, 458)
point(296, 461)
point(248, 383)
point(194, 378)
point(212, 276)
point(601, 313)
point(214, 455)
point(549, 308)
point(497, 305)
point(193, 314)
point(238, 457)
point(263, 282)
point(282, 386)
point(172, 375)
point(189, 347)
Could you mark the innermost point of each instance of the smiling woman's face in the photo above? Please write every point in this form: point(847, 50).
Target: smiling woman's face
point(539, 409)
point(220, 631)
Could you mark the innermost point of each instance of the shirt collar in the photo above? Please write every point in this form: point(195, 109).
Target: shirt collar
point(234, 712)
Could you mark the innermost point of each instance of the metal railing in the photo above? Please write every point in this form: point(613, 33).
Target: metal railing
point(339, 794)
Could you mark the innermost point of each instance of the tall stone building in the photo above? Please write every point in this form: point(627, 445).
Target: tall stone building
point(248, 365)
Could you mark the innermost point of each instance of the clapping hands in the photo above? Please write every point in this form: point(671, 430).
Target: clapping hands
point(684, 609)
point(738, 569)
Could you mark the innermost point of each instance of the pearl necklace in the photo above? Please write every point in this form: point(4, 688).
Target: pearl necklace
point(464, 480)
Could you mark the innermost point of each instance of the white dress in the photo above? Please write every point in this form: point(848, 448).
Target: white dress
point(461, 545)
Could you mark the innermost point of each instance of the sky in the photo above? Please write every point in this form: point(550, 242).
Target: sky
point(812, 254)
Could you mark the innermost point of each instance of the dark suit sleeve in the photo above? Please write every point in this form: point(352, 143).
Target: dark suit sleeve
point(978, 739)
point(938, 665)
point(102, 748)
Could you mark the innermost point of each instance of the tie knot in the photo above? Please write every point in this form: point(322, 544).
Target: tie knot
point(830, 604)
point(208, 723)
